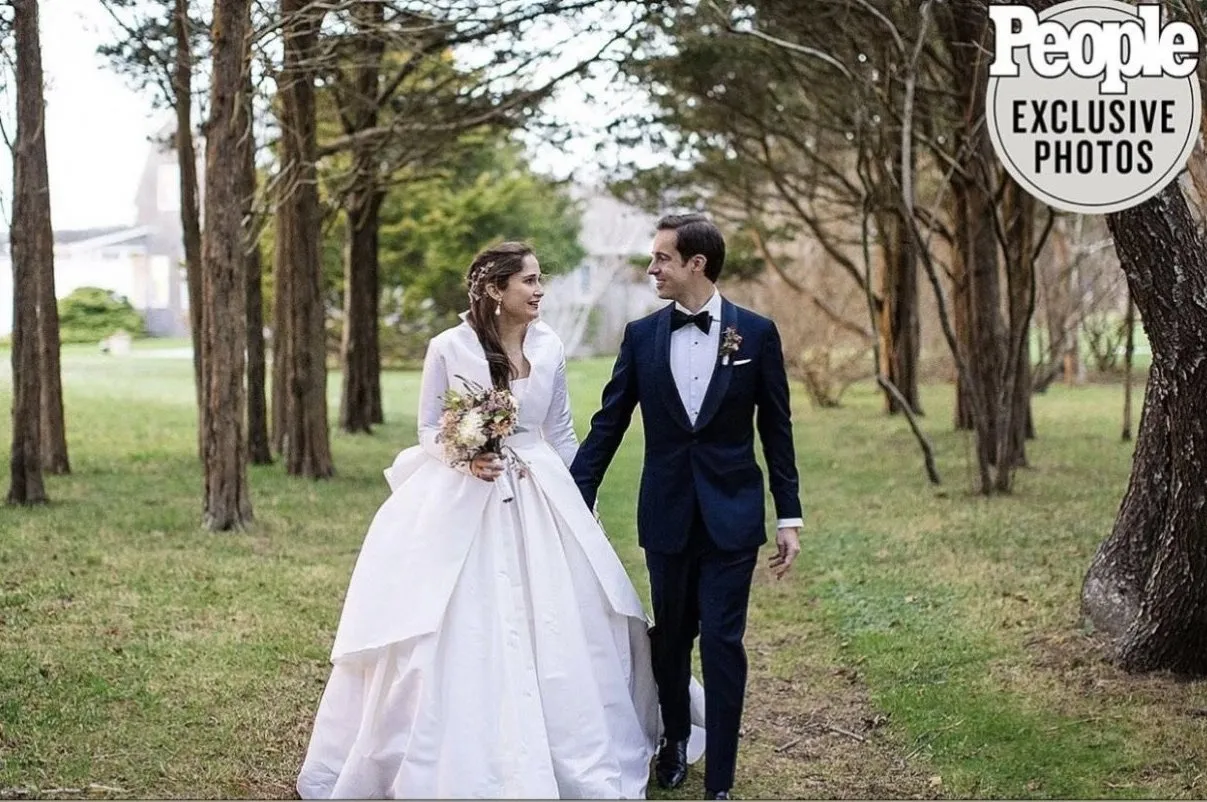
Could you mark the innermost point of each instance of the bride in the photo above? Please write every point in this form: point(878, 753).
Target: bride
point(491, 644)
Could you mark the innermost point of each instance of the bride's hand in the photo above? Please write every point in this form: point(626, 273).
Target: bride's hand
point(486, 467)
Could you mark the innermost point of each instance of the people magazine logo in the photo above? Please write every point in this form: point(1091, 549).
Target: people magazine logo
point(1093, 105)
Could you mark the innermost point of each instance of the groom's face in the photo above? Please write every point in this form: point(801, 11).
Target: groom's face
point(672, 276)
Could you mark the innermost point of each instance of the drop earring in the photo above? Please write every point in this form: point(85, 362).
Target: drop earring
point(498, 308)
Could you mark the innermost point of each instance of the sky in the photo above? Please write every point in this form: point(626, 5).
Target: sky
point(97, 125)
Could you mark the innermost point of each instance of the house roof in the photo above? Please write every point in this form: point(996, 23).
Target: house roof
point(86, 238)
point(73, 236)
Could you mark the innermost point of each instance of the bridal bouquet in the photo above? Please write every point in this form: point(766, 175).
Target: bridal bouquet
point(475, 421)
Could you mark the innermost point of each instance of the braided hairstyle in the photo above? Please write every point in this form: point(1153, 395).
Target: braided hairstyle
point(493, 267)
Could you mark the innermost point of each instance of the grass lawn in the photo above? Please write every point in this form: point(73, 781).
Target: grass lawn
point(926, 645)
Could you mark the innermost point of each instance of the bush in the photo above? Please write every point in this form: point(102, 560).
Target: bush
point(90, 314)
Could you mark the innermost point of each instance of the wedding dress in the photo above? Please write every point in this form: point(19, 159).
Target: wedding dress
point(487, 648)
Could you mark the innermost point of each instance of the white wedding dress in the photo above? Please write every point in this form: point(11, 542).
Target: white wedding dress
point(489, 649)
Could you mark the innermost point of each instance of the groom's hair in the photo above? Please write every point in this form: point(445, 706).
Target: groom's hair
point(695, 235)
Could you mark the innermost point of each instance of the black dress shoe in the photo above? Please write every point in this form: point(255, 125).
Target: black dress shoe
point(717, 795)
point(670, 767)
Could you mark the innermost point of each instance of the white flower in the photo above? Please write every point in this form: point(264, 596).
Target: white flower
point(469, 432)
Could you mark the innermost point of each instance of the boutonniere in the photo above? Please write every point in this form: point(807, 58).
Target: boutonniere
point(729, 344)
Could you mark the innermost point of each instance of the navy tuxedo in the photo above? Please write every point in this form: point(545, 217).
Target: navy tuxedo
point(701, 514)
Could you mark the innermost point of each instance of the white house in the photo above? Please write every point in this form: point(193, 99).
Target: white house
point(144, 262)
point(589, 306)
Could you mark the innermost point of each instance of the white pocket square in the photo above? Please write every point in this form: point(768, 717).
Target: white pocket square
point(740, 362)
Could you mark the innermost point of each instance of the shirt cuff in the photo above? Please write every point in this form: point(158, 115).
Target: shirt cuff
point(789, 523)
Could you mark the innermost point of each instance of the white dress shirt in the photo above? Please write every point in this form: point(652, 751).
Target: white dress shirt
point(694, 355)
point(693, 359)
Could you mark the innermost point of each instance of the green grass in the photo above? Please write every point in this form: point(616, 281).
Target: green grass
point(927, 643)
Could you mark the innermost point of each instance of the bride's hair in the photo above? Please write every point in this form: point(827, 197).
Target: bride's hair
point(493, 267)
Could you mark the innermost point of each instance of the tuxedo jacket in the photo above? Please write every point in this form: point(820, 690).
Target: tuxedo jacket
point(711, 463)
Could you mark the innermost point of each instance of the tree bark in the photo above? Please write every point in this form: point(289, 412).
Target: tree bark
point(259, 447)
point(358, 347)
point(281, 337)
point(961, 302)
point(900, 330)
point(963, 417)
point(32, 254)
point(1146, 588)
point(224, 276)
point(53, 437)
point(1019, 210)
point(1129, 351)
point(55, 458)
point(190, 211)
point(259, 451)
point(305, 432)
point(360, 399)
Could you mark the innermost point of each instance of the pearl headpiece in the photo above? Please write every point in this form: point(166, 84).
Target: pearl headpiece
point(476, 276)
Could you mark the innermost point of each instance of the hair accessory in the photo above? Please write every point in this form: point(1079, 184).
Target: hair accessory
point(476, 275)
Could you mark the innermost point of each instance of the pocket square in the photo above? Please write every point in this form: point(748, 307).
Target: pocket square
point(737, 362)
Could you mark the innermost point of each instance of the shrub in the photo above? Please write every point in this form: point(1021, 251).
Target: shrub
point(90, 314)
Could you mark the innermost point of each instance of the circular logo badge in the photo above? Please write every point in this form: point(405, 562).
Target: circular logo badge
point(1093, 106)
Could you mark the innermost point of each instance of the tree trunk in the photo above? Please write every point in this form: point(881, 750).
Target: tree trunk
point(54, 424)
point(1146, 587)
point(963, 405)
point(281, 337)
point(989, 393)
point(899, 324)
point(985, 322)
point(1129, 351)
point(977, 324)
point(376, 413)
point(360, 400)
point(53, 435)
point(190, 212)
point(360, 314)
point(1019, 209)
point(961, 308)
point(305, 432)
point(224, 275)
point(32, 253)
point(258, 444)
point(258, 448)
point(968, 408)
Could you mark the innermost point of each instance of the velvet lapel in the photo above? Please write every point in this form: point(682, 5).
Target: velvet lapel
point(662, 369)
point(719, 383)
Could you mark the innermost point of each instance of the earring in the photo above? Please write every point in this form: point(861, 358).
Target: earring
point(498, 308)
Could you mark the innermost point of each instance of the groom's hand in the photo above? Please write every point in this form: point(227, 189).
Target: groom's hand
point(787, 547)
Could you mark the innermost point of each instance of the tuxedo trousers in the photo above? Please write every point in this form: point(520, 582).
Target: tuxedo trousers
point(702, 591)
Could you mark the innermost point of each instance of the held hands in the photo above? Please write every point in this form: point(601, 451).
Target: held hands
point(787, 547)
point(486, 466)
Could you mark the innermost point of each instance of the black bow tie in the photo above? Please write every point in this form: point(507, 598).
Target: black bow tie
point(680, 319)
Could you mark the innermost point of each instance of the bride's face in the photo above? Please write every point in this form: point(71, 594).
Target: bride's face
point(521, 296)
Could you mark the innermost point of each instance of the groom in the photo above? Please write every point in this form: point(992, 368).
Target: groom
point(699, 368)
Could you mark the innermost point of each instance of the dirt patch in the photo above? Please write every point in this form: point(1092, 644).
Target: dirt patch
point(818, 736)
point(1079, 663)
